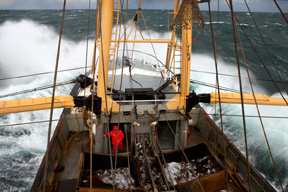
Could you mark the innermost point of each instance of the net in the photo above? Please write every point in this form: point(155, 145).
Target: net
point(189, 15)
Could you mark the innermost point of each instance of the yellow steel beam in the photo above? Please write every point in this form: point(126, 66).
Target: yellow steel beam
point(247, 99)
point(180, 101)
point(106, 33)
point(22, 105)
point(142, 41)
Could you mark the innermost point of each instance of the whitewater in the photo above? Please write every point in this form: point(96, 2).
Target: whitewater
point(29, 46)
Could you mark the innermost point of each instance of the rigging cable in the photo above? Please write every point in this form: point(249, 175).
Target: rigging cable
point(259, 111)
point(281, 11)
point(38, 89)
point(258, 56)
point(52, 103)
point(220, 106)
point(120, 98)
point(213, 86)
point(151, 42)
point(241, 94)
point(105, 95)
point(44, 73)
point(93, 85)
point(191, 167)
point(266, 46)
point(214, 114)
point(162, 155)
point(223, 74)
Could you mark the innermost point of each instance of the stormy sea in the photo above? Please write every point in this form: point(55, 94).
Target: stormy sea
point(28, 46)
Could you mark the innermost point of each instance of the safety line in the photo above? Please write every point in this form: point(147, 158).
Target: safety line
point(241, 93)
point(258, 110)
point(266, 47)
point(53, 95)
point(220, 106)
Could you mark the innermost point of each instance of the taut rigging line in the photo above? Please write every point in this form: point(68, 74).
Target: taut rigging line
point(38, 88)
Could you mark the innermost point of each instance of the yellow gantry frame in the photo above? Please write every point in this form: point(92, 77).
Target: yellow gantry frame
point(104, 49)
point(23, 105)
point(67, 101)
point(247, 99)
point(179, 101)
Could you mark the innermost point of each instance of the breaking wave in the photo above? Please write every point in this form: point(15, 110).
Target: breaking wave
point(28, 47)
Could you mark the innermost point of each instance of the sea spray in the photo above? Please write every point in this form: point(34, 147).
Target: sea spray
point(33, 50)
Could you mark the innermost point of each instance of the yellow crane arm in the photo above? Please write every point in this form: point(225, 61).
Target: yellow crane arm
point(22, 105)
point(247, 99)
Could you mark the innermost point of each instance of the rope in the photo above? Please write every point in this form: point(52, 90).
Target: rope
point(151, 43)
point(52, 103)
point(259, 111)
point(37, 89)
point(164, 160)
point(105, 91)
point(44, 73)
point(281, 11)
point(193, 172)
point(266, 46)
point(222, 74)
point(220, 107)
point(214, 86)
point(258, 56)
point(214, 114)
point(241, 93)
point(120, 98)
point(92, 107)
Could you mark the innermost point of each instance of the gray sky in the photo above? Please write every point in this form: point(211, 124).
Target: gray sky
point(255, 5)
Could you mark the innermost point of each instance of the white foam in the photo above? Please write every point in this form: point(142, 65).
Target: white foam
point(28, 47)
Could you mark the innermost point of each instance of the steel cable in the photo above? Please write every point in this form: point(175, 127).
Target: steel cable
point(241, 94)
point(53, 95)
point(255, 100)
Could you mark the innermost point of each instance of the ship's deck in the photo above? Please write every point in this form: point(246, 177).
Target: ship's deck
point(73, 161)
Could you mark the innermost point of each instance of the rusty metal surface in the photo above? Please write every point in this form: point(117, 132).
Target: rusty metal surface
point(39, 175)
point(214, 182)
point(236, 162)
point(67, 185)
point(72, 157)
point(100, 190)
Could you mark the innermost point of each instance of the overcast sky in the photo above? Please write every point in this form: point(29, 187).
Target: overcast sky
point(255, 5)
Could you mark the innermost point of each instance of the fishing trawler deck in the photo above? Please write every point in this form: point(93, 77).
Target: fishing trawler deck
point(171, 142)
point(72, 163)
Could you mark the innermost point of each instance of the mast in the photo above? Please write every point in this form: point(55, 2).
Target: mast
point(106, 34)
point(189, 17)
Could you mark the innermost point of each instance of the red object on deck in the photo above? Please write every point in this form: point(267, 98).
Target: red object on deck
point(113, 134)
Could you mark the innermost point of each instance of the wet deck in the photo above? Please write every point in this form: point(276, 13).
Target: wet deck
point(71, 162)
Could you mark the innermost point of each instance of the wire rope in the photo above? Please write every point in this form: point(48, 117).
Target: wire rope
point(44, 73)
point(241, 94)
point(255, 100)
point(220, 106)
point(281, 11)
point(193, 172)
point(258, 56)
point(37, 89)
point(120, 98)
point(106, 105)
point(266, 47)
point(52, 103)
